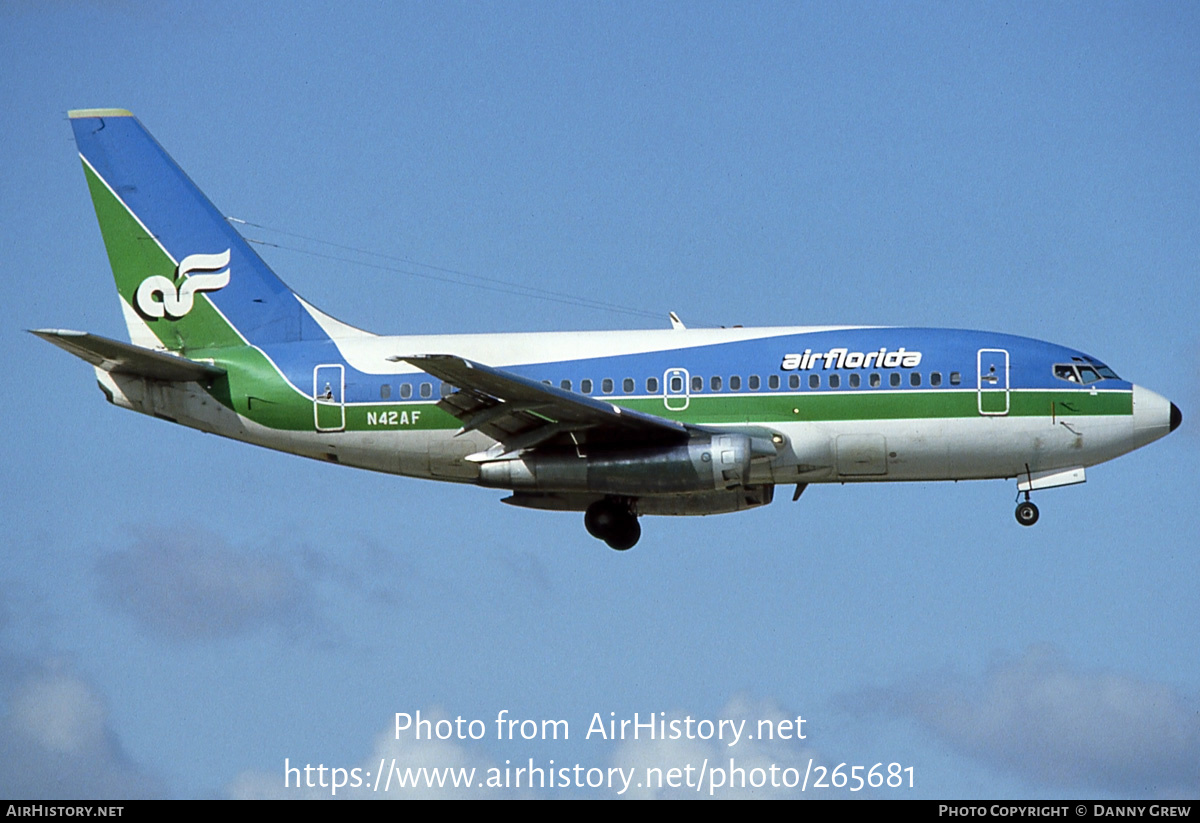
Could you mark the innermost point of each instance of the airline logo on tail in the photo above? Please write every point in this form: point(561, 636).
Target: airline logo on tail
point(176, 301)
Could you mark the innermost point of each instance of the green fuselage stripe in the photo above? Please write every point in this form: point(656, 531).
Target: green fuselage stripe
point(790, 408)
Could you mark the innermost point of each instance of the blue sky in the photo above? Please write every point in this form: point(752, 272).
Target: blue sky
point(179, 613)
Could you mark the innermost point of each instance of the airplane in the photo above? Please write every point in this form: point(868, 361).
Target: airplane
point(614, 424)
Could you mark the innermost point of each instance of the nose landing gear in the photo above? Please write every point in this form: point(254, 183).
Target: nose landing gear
point(614, 521)
point(1027, 513)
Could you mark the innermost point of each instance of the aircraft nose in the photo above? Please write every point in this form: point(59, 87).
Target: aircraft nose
point(1154, 416)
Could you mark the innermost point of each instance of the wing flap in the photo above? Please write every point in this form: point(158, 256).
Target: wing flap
point(518, 411)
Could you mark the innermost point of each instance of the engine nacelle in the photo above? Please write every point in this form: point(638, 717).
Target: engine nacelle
point(711, 463)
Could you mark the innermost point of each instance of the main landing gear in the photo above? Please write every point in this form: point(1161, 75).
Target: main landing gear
point(614, 521)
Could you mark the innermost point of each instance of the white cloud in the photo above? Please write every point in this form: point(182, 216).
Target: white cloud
point(56, 742)
point(752, 768)
point(1055, 725)
point(756, 760)
point(192, 585)
point(406, 753)
point(60, 713)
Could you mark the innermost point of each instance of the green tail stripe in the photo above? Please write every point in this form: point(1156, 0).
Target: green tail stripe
point(135, 255)
point(253, 386)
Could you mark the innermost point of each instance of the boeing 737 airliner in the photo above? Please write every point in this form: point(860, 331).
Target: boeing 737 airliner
point(614, 424)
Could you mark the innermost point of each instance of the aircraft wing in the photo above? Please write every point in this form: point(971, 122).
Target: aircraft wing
point(523, 413)
point(126, 358)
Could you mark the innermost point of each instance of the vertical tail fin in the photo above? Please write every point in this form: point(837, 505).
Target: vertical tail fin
point(186, 278)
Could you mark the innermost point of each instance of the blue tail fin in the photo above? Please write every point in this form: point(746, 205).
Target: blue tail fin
point(187, 279)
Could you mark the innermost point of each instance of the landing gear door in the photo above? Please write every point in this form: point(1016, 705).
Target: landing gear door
point(993, 381)
point(329, 390)
point(675, 389)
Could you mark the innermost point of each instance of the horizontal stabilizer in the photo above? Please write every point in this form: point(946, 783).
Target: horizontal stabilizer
point(125, 358)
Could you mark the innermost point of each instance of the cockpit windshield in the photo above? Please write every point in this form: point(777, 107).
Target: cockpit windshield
point(1084, 371)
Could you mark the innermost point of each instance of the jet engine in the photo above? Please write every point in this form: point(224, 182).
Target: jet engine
point(703, 464)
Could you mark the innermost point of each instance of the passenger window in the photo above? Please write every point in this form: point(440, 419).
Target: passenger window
point(697, 384)
point(874, 381)
point(427, 390)
point(894, 379)
point(914, 379)
point(814, 381)
point(955, 378)
point(793, 381)
point(773, 382)
point(385, 391)
point(753, 383)
point(935, 378)
point(627, 385)
point(565, 385)
point(585, 386)
point(855, 380)
point(606, 385)
point(715, 383)
point(405, 391)
point(676, 383)
point(446, 389)
point(834, 381)
point(651, 385)
point(735, 383)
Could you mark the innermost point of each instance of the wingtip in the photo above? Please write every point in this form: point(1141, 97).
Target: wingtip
point(57, 332)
